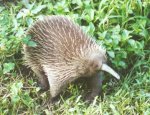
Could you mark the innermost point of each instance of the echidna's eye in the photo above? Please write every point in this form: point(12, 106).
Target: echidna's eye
point(96, 66)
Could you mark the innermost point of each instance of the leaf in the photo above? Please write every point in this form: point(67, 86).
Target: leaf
point(29, 21)
point(71, 109)
point(90, 29)
point(1, 9)
point(20, 32)
point(125, 35)
point(15, 98)
point(79, 2)
point(7, 67)
point(122, 64)
point(124, 54)
point(144, 33)
point(15, 88)
point(26, 39)
point(78, 99)
point(111, 54)
point(116, 38)
point(38, 9)
point(27, 5)
point(27, 100)
point(23, 13)
point(92, 14)
point(131, 42)
point(116, 29)
point(32, 44)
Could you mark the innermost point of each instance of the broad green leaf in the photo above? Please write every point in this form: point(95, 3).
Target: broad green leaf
point(20, 32)
point(38, 9)
point(111, 54)
point(26, 39)
point(29, 21)
point(32, 44)
point(125, 35)
point(79, 2)
point(7, 67)
point(122, 64)
point(1, 9)
point(15, 88)
point(27, 5)
point(23, 13)
point(124, 54)
point(27, 100)
point(15, 99)
point(131, 42)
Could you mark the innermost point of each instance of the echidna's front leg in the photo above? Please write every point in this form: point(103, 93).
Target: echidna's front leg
point(42, 79)
point(95, 84)
point(55, 89)
point(53, 80)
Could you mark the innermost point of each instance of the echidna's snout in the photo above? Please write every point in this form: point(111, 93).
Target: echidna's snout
point(101, 65)
point(108, 69)
point(100, 62)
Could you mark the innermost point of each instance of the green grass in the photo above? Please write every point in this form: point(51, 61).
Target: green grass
point(123, 27)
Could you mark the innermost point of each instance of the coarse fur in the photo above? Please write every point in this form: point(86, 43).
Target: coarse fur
point(63, 54)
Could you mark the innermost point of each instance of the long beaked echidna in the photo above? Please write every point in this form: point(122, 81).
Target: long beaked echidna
point(63, 54)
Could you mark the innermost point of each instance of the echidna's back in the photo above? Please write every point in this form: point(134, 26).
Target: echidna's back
point(58, 41)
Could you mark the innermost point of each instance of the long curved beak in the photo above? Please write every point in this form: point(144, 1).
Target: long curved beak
point(110, 70)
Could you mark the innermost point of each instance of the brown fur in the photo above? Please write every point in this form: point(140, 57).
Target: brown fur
point(63, 54)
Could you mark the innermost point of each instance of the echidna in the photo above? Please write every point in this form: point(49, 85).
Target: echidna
point(63, 54)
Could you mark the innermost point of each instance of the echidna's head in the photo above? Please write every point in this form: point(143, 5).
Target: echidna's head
point(96, 63)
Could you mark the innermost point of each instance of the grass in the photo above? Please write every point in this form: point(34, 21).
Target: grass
point(123, 27)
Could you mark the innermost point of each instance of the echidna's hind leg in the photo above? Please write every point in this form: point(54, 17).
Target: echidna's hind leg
point(33, 63)
point(42, 79)
point(95, 84)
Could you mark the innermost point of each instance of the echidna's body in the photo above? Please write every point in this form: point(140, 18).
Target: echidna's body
point(63, 53)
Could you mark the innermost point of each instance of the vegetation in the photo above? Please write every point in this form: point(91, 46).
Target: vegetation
point(123, 27)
